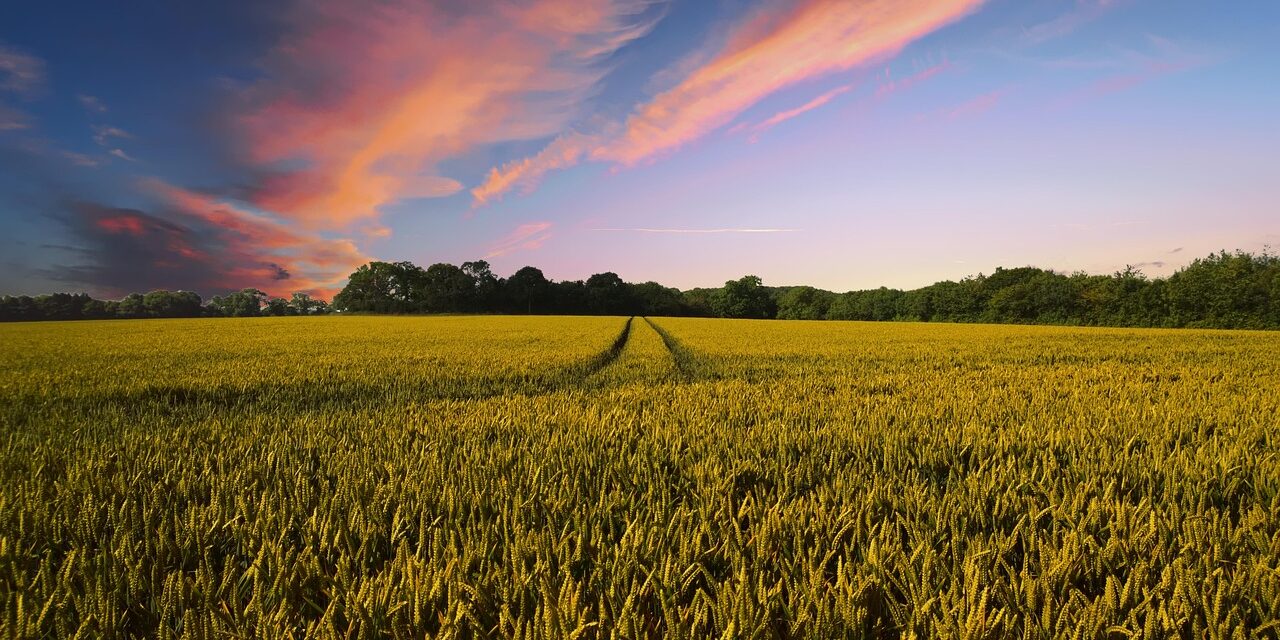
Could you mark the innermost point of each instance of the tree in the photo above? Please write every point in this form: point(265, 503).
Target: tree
point(241, 304)
point(383, 287)
point(607, 294)
point(804, 303)
point(132, 306)
point(304, 305)
point(527, 290)
point(447, 289)
point(172, 304)
point(278, 307)
point(743, 298)
point(653, 299)
point(487, 285)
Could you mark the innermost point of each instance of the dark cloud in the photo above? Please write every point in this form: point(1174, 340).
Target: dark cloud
point(127, 250)
point(1176, 250)
point(281, 273)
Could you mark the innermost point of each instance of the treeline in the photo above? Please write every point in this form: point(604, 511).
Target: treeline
point(1223, 290)
point(157, 304)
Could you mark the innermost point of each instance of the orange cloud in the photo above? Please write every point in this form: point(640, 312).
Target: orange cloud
point(565, 151)
point(783, 116)
point(525, 237)
point(360, 103)
point(261, 252)
point(770, 51)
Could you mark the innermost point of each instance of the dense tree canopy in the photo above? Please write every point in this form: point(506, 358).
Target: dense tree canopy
point(1221, 290)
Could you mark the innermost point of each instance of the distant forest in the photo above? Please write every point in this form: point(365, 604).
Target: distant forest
point(1223, 290)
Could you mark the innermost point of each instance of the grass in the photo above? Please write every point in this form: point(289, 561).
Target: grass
point(493, 477)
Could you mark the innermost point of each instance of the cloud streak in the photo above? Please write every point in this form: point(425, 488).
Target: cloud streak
point(525, 237)
point(1084, 12)
point(91, 103)
point(773, 49)
point(782, 116)
point(360, 104)
point(693, 231)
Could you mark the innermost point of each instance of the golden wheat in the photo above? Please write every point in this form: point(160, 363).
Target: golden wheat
point(604, 478)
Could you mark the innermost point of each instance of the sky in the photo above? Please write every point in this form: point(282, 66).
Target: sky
point(844, 144)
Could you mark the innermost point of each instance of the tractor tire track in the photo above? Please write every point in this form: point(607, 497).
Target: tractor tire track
point(608, 356)
point(690, 365)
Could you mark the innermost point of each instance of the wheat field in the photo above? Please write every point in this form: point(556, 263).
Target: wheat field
point(573, 477)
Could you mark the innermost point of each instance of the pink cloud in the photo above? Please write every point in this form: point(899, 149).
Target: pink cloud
point(360, 103)
point(525, 237)
point(255, 250)
point(890, 86)
point(565, 151)
point(773, 51)
point(783, 116)
point(132, 225)
point(974, 106)
point(769, 51)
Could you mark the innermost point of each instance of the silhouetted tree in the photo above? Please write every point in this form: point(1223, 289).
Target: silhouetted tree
point(1238, 289)
point(527, 290)
point(487, 286)
point(447, 289)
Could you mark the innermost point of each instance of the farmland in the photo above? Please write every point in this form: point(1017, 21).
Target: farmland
point(606, 477)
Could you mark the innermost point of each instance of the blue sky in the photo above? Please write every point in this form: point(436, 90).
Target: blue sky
point(840, 143)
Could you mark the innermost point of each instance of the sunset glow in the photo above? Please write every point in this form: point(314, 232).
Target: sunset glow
point(838, 143)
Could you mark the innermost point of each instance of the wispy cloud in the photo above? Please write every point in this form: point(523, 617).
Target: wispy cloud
point(525, 237)
point(1082, 13)
point(783, 116)
point(91, 103)
point(104, 134)
point(408, 85)
point(12, 119)
point(693, 231)
point(119, 153)
point(80, 159)
point(774, 50)
point(20, 72)
point(974, 106)
point(771, 50)
point(524, 174)
point(1162, 57)
point(889, 85)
